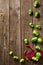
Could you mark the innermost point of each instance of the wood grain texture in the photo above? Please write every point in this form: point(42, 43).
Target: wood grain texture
point(4, 12)
point(26, 31)
point(14, 27)
point(1, 42)
point(15, 40)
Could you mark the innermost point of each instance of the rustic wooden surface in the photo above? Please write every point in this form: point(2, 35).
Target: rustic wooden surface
point(14, 27)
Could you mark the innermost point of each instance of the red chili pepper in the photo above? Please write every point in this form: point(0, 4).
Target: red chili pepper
point(25, 55)
point(29, 46)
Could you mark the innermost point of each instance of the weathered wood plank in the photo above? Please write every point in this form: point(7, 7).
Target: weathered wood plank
point(1, 41)
point(4, 7)
point(15, 40)
point(11, 38)
point(26, 31)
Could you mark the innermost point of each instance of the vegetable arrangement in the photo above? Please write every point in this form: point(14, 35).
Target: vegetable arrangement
point(32, 55)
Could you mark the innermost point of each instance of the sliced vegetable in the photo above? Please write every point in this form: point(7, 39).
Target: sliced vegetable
point(31, 54)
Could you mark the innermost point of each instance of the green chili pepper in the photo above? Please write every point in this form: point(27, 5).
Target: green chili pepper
point(31, 25)
point(36, 4)
point(22, 60)
point(35, 32)
point(34, 39)
point(26, 41)
point(39, 40)
point(38, 27)
point(37, 14)
point(30, 12)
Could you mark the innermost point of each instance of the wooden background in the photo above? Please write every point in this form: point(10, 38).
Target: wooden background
point(14, 27)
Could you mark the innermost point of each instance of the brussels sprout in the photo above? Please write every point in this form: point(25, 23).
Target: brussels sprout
point(22, 60)
point(39, 40)
point(11, 53)
point(36, 3)
point(37, 14)
point(38, 27)
point(15, 57)
point(31, 25)
point(34, 39)
point(35, 32)
point(34, 59)
point(38, 55)
point(30, 12)
point(37, 48)
point(26, 41)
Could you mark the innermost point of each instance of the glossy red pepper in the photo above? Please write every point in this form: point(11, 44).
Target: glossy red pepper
point(30, 54)
point(25, 57)
point(29, 46)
